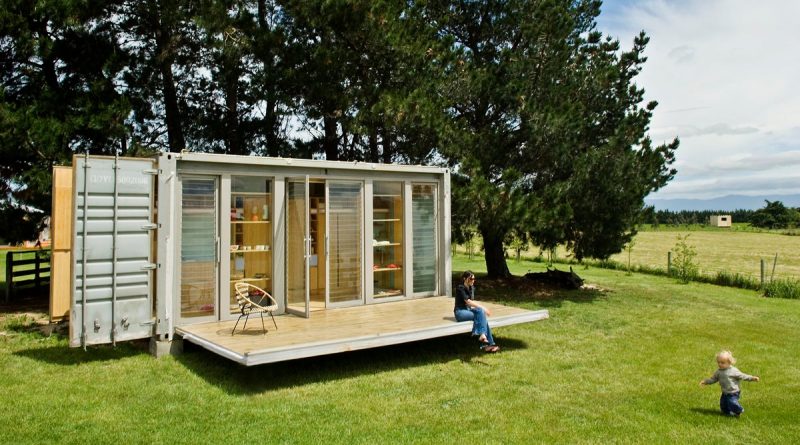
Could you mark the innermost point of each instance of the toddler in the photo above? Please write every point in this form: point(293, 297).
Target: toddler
point(728, 377)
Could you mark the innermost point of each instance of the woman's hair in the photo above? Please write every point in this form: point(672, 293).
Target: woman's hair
point(466, 274)
point(727, 356)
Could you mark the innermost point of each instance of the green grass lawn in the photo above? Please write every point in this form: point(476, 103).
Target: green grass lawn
point(620, 365)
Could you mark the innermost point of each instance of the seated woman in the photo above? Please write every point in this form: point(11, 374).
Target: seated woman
point(467, 309)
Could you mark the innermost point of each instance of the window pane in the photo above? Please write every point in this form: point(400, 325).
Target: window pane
point(345, 241)
point(198, 241)
point(423, 225)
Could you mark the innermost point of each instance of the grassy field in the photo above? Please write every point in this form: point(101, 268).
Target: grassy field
point(735, 251)
point(620, 365)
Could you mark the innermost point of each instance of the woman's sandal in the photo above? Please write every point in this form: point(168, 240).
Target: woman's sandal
point(490, 348)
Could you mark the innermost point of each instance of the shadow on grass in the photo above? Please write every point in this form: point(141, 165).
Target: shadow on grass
point(554, 299)
point(515, 290)
point(64, 355)
point(708, 412)
point(580, 296)
point(241, 380)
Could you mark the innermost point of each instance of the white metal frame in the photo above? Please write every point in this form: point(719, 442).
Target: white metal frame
point(306, 247)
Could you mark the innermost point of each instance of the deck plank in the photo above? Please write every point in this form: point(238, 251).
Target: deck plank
point(345, 329)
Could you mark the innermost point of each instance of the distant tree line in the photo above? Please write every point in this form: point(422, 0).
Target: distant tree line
point(774, 215)
point(683, 217)
point(535, 111)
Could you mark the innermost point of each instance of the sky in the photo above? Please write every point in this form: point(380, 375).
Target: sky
point(725, 74)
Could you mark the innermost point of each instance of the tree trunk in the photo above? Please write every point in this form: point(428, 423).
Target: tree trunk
point(271, 124)
point(387, 146)
point(494, 254)
point(374, 154)
point(233, 142)
point(172, 118)
point(171, 108)
point(262, 14)
point(329, 143)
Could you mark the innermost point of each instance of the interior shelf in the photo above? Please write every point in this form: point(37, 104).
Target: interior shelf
point(389, 293)
point(234, 280)
point(258, 194)
point(386, 269)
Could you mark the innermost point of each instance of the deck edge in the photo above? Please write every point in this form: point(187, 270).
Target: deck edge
point(213, 347)
point(260, 357)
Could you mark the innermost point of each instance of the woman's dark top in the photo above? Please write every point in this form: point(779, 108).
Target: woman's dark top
point(462, 295)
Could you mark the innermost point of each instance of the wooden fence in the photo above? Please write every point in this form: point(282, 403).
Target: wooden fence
point(19, 272)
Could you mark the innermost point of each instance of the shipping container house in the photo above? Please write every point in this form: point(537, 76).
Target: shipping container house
point(159, 243)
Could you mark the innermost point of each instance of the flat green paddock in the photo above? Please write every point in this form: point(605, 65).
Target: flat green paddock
point(733, 251)
point(621, 365)
point(718, 250)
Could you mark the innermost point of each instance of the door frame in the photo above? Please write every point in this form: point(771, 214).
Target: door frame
point(306, 246)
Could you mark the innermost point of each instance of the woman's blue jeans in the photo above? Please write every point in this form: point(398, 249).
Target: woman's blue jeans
point(729, 403)
point(480, 325)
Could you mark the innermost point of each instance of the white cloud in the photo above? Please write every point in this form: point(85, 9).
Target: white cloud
point(725, 76)
point(719, 129)
point(728, 185)
point(683, 53)
point(748, 162)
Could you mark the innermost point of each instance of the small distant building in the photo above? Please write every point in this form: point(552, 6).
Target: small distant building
point(720, 220)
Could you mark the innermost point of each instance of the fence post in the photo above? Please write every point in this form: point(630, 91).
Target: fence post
point(9, 274)
point(36, 280)
point(772, 277)
point(669, 263)
point(762, 273)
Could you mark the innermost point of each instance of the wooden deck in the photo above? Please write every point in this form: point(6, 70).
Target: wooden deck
point(340, 330)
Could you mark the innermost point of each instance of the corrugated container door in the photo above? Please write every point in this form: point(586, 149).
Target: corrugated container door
point(112, 261)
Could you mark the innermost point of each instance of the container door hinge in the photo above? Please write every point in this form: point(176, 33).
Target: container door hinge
point(150, 266)
point(151, 226)
point(150, 171)
point(148, 322)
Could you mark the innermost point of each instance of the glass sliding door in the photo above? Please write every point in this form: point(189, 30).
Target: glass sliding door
point(387, 239)
point(250, 235)
point(344, 247)
point(199, 248)
point(297, 247)
point(425, 242)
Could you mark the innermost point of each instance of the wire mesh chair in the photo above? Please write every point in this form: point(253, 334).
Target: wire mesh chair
point(252, 299)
